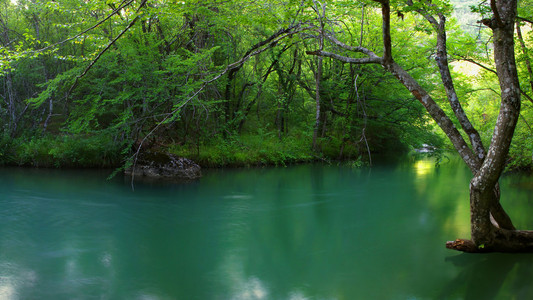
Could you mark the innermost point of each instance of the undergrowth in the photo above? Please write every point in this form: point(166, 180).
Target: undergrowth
point(68, 151)
point(247, 150)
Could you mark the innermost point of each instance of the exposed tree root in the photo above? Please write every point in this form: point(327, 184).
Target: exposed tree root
point(502, 240)
point(463, 245)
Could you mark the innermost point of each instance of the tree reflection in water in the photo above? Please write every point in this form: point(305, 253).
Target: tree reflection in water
point(490, 276)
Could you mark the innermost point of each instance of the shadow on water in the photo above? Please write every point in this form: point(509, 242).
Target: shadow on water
point(490, 276)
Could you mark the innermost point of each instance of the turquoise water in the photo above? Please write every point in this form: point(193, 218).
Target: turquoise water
point(301, 232)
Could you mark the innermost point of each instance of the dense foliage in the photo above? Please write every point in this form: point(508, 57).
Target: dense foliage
point(86, 83)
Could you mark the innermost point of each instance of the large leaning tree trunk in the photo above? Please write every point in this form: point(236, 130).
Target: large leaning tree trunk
point(491, 227)
point(484, 234)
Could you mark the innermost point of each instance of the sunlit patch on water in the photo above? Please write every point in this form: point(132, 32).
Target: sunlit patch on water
point(13, 279)
point(243, 287)
point(7, 290)
point(253, 288)
point(423, 167)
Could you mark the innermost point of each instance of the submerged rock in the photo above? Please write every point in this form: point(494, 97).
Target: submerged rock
point(426, 149)
point(165, 165)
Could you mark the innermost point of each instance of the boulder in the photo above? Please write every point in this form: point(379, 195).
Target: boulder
point(164, 165)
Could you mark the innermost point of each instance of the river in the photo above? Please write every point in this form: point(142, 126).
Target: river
point(299, 232)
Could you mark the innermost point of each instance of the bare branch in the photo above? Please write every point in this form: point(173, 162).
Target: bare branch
point(273, 42)
point(476, 63)
point(271, 38)
point(340, 44)
point(525, 20)
point(364, 60)
point(526, 95)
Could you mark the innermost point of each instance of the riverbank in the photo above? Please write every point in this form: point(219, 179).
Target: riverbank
point(101, 151)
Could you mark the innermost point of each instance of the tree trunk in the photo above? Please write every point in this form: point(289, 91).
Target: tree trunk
point(321, 12)
point(498, 213)
point(491, 227)
point(11, 104)
point(481, 186)
point(318, 76)
point(485, 236)
point(484, 189)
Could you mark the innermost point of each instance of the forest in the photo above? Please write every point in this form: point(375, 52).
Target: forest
point(239, 83)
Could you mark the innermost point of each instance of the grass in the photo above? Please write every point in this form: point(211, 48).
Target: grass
point(68, 151)
point(248, 150)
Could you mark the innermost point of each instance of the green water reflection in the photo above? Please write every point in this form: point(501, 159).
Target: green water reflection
point(303, 232)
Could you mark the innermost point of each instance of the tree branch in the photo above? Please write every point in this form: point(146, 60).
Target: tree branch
point(273, 42)
point(121, 6)
point(104, 50)
point(525, 20)
point(387, 41)
point(364, 60)
point(476, 63)
point(492, 71)
point(496, 12)
point(340, 44)
point(447, 81)
point(281, 34)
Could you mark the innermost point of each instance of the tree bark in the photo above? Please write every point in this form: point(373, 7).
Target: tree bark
point(481, 186)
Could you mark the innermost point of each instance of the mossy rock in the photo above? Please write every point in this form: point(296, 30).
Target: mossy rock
point(164, 165)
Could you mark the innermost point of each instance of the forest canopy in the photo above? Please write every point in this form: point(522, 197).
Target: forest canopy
point(86, 83)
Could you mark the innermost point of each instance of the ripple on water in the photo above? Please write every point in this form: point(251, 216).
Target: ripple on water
point(239, 197)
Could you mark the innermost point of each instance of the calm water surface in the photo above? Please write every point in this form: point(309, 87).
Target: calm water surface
point(302, 232)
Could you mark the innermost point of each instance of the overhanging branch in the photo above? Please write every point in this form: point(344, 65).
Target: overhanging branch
point(364, 60)
point(105, 49)
point(114, 12)
point(342, 45)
